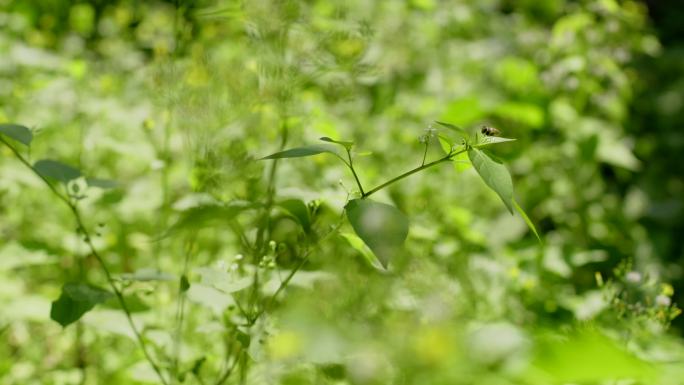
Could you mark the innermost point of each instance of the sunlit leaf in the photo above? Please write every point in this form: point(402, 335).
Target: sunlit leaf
point(299, 152)
point(526, 218)
point(462, 162)
point(489, 140)
point(586, 357)
point(347, 145)
point(382, 227)
point(76, 299)
point(368, 256)
point(494, 174)
point(17, 132)
point(52, 169)
point(299, 211)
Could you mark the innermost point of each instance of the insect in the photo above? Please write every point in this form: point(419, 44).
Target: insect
point(490, 131)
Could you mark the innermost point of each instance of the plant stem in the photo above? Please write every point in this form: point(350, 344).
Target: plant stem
point(425, 153)
point(110, 280)
point(411, 172)
point(356, 177)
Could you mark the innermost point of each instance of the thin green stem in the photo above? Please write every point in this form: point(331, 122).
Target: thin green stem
point(110, 279)
point(411, 172)
point(425, 154)
point(351, 167)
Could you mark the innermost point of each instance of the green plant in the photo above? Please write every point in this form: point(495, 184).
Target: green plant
point(382, 227)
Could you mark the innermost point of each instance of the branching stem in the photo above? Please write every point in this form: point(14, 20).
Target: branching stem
point(93, 251)
point(447, 158)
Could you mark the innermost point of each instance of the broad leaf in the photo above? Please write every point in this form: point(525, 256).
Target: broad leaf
point(17, 132)
point(53, 169)
point(76, 299)
point(299, 152)
point(382, 227)
point(494, 174)
point(347, 145)
point(526, 218)
point(299, 211)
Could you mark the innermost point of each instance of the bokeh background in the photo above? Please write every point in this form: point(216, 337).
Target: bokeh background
point(175, 100)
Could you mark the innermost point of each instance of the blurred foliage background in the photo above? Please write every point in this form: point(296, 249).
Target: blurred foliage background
point(176, 100)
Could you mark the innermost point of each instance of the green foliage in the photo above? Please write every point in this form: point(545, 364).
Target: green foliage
point(17, 132)
point(381, 226)
point(220, 269)
point(75, 300)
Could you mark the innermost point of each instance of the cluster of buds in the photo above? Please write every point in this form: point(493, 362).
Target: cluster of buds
point(430, 132)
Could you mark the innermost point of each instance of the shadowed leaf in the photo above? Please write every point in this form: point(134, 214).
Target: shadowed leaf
point(17, 132)
point(382, 227)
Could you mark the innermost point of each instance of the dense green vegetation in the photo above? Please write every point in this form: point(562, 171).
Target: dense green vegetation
point(299, 192)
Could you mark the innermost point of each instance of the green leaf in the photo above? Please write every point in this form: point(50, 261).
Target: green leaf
point(494, 174)
point(445, 143)
point(526, 218)
point(299, 211)
point(347, 145)
point(76, 299)
point(299, 152)
point(461, 162)
point(17, 132)
point(368, 256)
point(184, 284)
point(489, 140)
point(382, 227)
point(53, 169)
point(451, 127)
point(586, 357)
point(101, 183)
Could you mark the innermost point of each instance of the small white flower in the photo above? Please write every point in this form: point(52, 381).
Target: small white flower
point(430, 131)
point(633, 277)
point(663, 300)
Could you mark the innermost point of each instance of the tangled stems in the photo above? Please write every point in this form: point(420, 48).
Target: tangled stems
point(105, 269)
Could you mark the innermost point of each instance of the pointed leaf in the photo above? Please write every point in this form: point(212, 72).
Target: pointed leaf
point(494, 174)
point(347, 145)
point(301, 152)
point(382, 227)
point(53, 169)
point(299, 211)
point(489, 140)
point(17, 132)
point(368, 256)
point(451, 127)
point(526, 218)
point(76, 299)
